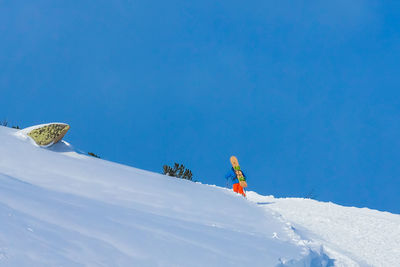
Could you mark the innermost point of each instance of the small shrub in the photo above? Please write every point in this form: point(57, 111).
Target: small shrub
point(311, 194)
point(178, 171)
point(5, 124)
point(93, 155)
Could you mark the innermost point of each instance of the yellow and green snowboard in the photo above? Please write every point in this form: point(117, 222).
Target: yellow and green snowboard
point(238, 172)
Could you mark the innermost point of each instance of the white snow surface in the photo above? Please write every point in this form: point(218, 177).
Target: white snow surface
point(352, 236)
point(62, 208)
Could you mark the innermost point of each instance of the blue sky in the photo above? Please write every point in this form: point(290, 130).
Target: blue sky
point(304, 93)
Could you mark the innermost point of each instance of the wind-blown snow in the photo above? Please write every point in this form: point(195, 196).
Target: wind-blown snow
point(62, 208)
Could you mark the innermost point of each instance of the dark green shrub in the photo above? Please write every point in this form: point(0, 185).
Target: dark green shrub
point(178, 171)
point(5, 123)
point(93, 155)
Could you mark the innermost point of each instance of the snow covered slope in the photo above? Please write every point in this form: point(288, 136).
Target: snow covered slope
point(62, 208)
point(353, 236)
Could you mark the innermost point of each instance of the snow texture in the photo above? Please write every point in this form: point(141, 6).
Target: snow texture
point(59, 207)
point(352, 236)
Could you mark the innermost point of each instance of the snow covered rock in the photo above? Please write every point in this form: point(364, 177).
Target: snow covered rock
point(45, 135)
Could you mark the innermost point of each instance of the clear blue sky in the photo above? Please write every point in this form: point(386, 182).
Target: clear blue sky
point(305, 93)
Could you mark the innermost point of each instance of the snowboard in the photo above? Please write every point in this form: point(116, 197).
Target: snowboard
point(238, 172)
point(48, 134)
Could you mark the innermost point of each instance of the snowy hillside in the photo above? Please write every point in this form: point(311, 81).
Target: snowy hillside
point(62, 208)
point(352, 236)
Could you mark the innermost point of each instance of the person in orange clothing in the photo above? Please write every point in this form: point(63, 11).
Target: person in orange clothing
point(231, 175)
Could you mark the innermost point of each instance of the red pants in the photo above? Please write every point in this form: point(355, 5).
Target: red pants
point(238, 189)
